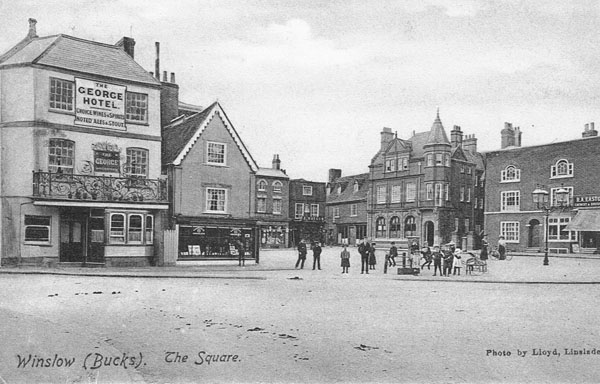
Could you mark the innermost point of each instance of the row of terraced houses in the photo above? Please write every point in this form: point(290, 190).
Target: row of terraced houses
point(102, 164)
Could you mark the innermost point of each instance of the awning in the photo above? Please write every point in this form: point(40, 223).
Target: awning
point(585, 220)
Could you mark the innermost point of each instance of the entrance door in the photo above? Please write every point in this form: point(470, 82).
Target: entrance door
point(429, 233)
point(533, 240)
point(96, 243)
point(72, 238)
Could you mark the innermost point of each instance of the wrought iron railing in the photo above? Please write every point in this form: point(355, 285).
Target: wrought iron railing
point(98, 188)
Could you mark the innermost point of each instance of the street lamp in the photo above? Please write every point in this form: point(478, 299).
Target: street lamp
point(540, 198)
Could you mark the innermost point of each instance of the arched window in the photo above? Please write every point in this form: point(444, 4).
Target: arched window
point(277, 185)
point(380, 227)
point(511, 173)
point(262, 185)
point(410, 226)
point(395, 227)
point(562, 168)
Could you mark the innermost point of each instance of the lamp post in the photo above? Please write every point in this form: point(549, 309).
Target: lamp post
point(541, 199)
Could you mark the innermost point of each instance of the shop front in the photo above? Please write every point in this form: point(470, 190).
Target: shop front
point(274, 234)
point(587, 224)
point(208, 239)
point(309, 229)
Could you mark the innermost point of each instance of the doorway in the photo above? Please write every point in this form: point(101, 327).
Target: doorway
point(429, 233)
point(533, 238)
point(72, 238)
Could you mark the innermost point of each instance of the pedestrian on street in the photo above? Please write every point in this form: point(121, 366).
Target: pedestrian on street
point(364, 248)
point(448, 258)
point(241, 254)
point(457, 262)
point(372, 258)
point(502, 248)
point(483, 255)
point(345, 256)
point(426, 252)
point(393, 253)
point(437, 260)
point(317, 255)
point(301, 254)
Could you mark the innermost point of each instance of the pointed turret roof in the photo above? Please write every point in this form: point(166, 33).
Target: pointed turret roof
point(437, 134)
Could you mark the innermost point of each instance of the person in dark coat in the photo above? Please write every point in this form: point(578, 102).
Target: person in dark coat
point(372, 258)
point(317, 255)
point(483, 255)
point(345, 256)
point(393, 254)
point(437, 260)
point(241, 254)
point(448, 259)
point(301, 254)
point(426, 252)
point(363, 249)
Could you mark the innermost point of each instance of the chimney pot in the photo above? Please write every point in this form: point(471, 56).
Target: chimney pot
point(173, 77)
point(592, 126)
point(164, 76)
point(157, 61)
point(32, 29)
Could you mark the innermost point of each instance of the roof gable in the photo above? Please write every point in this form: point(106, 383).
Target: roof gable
point(459, 154)
point(180, 137)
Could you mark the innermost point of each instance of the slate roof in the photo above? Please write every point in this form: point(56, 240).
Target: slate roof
point(75, 54)
point(180, 136)
point(270, 172)
point(437, 134)
point(348, 193)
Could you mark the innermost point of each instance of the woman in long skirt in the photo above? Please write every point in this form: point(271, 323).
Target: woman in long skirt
point(372, 258)
point(345, 256)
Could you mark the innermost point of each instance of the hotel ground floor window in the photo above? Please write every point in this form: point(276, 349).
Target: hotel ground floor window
point(394, 227)
point(410, 226)
point(37, 229)
point(198, 242)
point(380, 229)
point(129, 228)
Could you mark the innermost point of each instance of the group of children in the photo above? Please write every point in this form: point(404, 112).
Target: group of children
point(447, 262)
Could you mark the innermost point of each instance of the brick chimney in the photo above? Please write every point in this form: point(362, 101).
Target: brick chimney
point(456, 136)
point(508, 136)
point(470, 143)
point(127, 44)
point(276, 162)
point(334, 174)
point(386, 137)
point(589, 131)
point(32, 30)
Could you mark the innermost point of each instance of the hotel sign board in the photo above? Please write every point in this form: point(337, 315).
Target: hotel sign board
point(99, 104)
point(586, 201)
point(107, 161)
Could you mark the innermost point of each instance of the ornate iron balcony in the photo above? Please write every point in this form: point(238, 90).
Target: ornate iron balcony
point(98, 188)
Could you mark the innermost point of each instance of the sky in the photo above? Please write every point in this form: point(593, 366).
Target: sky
point(316, 81)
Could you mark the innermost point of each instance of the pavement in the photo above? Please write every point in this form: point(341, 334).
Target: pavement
point(279, 263)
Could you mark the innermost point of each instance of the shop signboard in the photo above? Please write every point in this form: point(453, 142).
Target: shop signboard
point(586, 201)
point(99, 104)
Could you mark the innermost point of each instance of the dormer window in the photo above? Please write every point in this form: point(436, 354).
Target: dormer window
point(403, 163)
point(390, 165)
point(356, 186)
point(511, 174)
point(339, 190)
point(562, 168)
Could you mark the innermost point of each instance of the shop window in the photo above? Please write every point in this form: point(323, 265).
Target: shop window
point(510, 231)
point(61, 94)
point(117, 228)
point(510, 174)
point(380, 227)
point(137, 162)
point(216, 200)
point(262, 185)
point(510, 201)
point(261, 204)
point(562, 168)
point(136, 107)
point(277, 186)
point(134, 229)
point(215, 153)
point(410, 226)
point(277, 204)
point(149, 229)
point(395, 227)
point(61, 156)
point(37, 229)
point(557, 229)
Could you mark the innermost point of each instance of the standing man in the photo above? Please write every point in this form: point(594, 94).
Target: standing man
point(363, 249)
point(241, 254)
point(437, 260)
point(317, 255)
point(393, 254)
point(372, 257)
point(301, 254)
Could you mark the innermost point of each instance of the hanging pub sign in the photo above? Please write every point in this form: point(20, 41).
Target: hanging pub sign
point(99, 104)
point(107, 161)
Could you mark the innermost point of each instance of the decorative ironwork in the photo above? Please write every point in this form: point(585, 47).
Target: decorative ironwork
point(98, 188)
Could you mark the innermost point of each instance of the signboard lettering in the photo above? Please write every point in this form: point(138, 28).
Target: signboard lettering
point(107, 161)
point(99, 104)
point(586, 201)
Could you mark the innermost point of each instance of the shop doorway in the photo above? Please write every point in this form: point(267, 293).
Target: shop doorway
point(72, 238)
point(533, 238)
point(429, 233)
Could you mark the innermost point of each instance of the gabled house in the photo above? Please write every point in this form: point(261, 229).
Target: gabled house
point(211, 186)
point(426, 189)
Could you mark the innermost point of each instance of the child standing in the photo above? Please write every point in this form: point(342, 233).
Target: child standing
point(457, 263)
point(437, 260)
point(345, 256)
